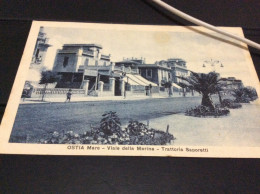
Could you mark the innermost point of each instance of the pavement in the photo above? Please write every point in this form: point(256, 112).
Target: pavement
point(240, 128)
point(94, 98)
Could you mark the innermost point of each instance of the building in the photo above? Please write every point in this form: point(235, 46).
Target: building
point(37, 64)
point(40, 50)
point(83, 66)
point(77, 57)
point(157, 73)
point(231, 83)
point(130, 63)
point(79, 62)
point(178, 68)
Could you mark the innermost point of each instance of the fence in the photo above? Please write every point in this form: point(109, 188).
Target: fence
point(56, 92)
point(155, 89)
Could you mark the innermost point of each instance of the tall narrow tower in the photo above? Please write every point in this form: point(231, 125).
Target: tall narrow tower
point(40, 50)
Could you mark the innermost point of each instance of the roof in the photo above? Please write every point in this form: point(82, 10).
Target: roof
point(129, 62)
point(176, 59)
point(176, 85)
point(84, 45)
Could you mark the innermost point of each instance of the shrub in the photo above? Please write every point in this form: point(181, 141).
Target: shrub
point(110, 132)
point(230, 104)
point(244, 95)
point(204, 111)
point(110, 123)
point(140, 134)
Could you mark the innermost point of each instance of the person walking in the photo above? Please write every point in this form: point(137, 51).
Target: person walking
point(68, 96)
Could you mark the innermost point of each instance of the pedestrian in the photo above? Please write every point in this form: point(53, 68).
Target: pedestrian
point(68, 96)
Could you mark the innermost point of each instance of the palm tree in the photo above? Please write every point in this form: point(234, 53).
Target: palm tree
point(205, 84)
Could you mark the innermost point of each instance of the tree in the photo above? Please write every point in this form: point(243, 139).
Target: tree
point(245, 94)
point(167, 85)
point(205, 84)
point(48, 77)
point(183, 86)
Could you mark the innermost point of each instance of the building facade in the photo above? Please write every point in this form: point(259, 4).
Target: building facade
point(157, 73)
point(40, 50)
point(83, 66)
point(77, 57)
point(78, 62)
point(231, 83)
point(178, 69)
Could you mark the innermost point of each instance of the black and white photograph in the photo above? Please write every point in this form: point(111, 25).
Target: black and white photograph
point(110, 89)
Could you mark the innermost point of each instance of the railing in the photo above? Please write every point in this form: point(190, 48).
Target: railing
point(88, 53)
point(68, 85)
point(105, 56)
point(138, 88)
point(57, 91)
point(162, 89)
point(155, 89)
point(135, 71)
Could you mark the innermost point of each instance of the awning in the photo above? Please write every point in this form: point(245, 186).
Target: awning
point(137, 80)
point(176, 86)
point(147, 82)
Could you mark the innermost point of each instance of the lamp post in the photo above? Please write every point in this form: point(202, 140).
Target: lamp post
point(213, 65)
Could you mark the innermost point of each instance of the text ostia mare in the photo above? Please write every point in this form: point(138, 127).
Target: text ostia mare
point(137, 148)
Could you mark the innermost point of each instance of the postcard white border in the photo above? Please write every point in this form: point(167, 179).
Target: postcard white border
point(54, 149)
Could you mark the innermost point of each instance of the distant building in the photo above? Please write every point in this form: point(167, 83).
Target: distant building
point(130, 64)
point(232, 83)
point(156, 73)
point(37, 64)
point(40, 50)
point(178, 68)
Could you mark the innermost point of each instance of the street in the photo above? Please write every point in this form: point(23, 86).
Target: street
point(34, 120)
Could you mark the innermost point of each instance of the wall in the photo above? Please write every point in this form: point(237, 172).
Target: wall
point(71, 66)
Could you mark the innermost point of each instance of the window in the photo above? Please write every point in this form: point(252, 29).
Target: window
point(65, 62)
point(149, 73)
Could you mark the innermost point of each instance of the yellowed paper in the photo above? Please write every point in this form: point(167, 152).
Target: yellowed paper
point(133, 77)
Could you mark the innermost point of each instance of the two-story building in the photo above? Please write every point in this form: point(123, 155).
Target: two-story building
point(78, 62)
point(156, 73)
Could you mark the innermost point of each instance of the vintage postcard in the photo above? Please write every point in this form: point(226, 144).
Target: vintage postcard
point(133, 90)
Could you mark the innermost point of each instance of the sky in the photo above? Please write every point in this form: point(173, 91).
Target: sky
point(193, 47)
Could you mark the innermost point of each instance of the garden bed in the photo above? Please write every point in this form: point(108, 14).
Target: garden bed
point(203, 111)
point(111, 132)
point(228, 103)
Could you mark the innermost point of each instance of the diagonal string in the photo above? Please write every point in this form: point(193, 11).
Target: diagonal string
point(204, 24)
